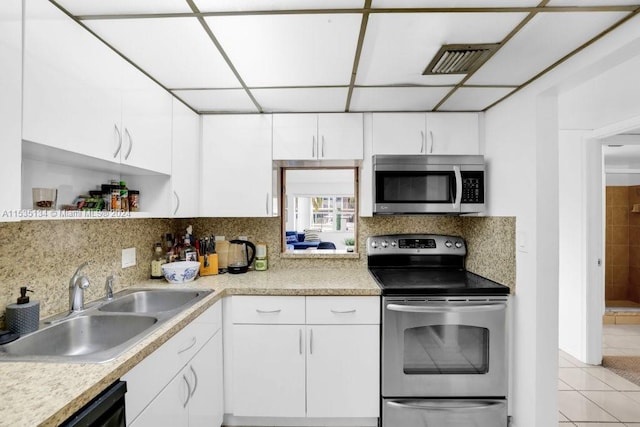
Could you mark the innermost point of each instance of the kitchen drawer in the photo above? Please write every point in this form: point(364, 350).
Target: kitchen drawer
point(211, 317)
point(268, 310)
point(343, 310)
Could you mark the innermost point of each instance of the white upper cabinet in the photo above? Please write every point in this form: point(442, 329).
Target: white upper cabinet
point(82, 97)
point(236, 166)
point(185, 176)
point(453, 133)
point(146, 123)
point(330, 136)
point(10, 104)
point(430, 133)
point(72, 97)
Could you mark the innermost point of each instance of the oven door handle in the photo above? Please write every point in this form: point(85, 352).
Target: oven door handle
point(458, 200)
point(446, 308)
point(442, 406)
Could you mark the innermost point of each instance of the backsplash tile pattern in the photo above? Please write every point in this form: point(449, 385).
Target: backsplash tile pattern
point(43, 255)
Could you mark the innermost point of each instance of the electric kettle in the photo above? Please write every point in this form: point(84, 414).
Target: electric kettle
point(238, 259)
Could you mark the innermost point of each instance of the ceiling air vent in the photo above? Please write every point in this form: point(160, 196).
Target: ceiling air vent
point(460, 58)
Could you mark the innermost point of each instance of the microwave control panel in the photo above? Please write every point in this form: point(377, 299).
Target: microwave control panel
point(472, 187)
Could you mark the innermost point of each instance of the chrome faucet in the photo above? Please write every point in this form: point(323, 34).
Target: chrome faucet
point(77, 285)
point(109, 287)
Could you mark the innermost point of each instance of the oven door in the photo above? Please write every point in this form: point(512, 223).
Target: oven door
point(445, 348)
point(447, 412)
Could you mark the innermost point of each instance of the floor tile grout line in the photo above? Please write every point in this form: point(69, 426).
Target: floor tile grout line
point(595, 403)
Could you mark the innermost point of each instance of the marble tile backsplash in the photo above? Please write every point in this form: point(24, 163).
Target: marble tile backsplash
point(43, 255)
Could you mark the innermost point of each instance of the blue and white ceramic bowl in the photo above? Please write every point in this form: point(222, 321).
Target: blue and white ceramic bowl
point(180, 271)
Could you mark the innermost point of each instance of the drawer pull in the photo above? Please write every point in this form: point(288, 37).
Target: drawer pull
point(343, 311)
point(268, 311)
point(193, 342)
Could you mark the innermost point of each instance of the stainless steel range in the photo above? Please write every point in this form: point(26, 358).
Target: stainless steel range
point(444, 347)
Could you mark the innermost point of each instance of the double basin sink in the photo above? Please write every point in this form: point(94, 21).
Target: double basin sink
point(105, 329)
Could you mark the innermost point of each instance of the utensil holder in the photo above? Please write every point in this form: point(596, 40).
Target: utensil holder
point(212, 264)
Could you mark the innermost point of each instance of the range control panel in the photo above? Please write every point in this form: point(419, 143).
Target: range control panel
point(419, 244)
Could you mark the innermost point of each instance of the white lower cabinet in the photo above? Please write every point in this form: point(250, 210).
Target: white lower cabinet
point(285, 365)
point(180, 384)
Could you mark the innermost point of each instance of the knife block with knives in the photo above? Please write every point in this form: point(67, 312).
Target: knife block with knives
point(207, 256)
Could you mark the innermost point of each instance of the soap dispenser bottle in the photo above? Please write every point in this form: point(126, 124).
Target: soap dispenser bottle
point(24, 316)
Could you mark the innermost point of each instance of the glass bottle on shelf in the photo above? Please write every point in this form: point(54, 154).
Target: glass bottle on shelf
point(157, 261)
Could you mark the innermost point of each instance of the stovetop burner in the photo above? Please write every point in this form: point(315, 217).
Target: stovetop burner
point(425, 264)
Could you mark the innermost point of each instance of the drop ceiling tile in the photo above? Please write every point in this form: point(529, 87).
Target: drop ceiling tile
point(397, 98)
point(545, 39)
point(245, 5)
point(473, 98)
point(290, 50)
point(332, 99)
point(218, 100)
point(119, 7)
point(453, 3)
point(398, 46)
point(175, 51)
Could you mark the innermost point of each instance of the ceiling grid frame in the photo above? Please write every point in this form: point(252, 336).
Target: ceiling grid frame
point(365, 11)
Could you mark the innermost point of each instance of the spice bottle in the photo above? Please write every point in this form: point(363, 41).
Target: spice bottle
point(124, 196)
point(134, 198)
point(157, 261)
point(260, 263)
point(115, 198)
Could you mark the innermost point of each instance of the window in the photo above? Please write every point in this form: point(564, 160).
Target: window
point(319, 206)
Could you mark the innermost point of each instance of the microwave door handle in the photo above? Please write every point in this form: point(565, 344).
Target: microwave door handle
point(445, 308)
point(458, 199)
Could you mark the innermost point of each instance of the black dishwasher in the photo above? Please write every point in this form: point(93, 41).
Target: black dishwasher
point(106, 410)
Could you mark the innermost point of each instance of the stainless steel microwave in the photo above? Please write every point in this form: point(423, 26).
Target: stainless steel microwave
point(428, 184)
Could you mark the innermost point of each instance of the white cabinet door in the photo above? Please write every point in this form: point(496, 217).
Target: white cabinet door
point(146, 123)
point(236, 166)
point(328, 136)
point(205, 376)
point(343, 371)
point(295, 136)
point(185, 171)
point(10, 105)
point(399, 133)
point(72, 96)
point(340, 136)
point(453, 133)
point(169, 408)
point(268, 370)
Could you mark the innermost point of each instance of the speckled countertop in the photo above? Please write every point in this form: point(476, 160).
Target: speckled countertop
point(46, 394)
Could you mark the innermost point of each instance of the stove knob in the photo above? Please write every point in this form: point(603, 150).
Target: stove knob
point(393, 243)
point(448, 243)
point(458, 244)
point(374, 244)
point(384, 244)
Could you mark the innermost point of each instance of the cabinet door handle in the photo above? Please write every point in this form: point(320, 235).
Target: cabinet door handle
point(119, 141)
point(313, 147)
point(126, 131)
point(266, 207)
point(343, 311)
point(421, 142)
point(175, 211)
point(190, 346)
point(323, 146)
point(268, 311)
point(310, 341)
point(432, 142)
point(195, 380)
point(184, 377)
point(300, 341)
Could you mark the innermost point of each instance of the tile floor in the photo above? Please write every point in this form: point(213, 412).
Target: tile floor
point(592, 396)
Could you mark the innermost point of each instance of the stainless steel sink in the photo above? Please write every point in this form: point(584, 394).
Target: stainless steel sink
point(152, 301)
point(93, 337)
point(104, 330)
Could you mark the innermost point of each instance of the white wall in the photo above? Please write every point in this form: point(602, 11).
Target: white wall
point(522, 152)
